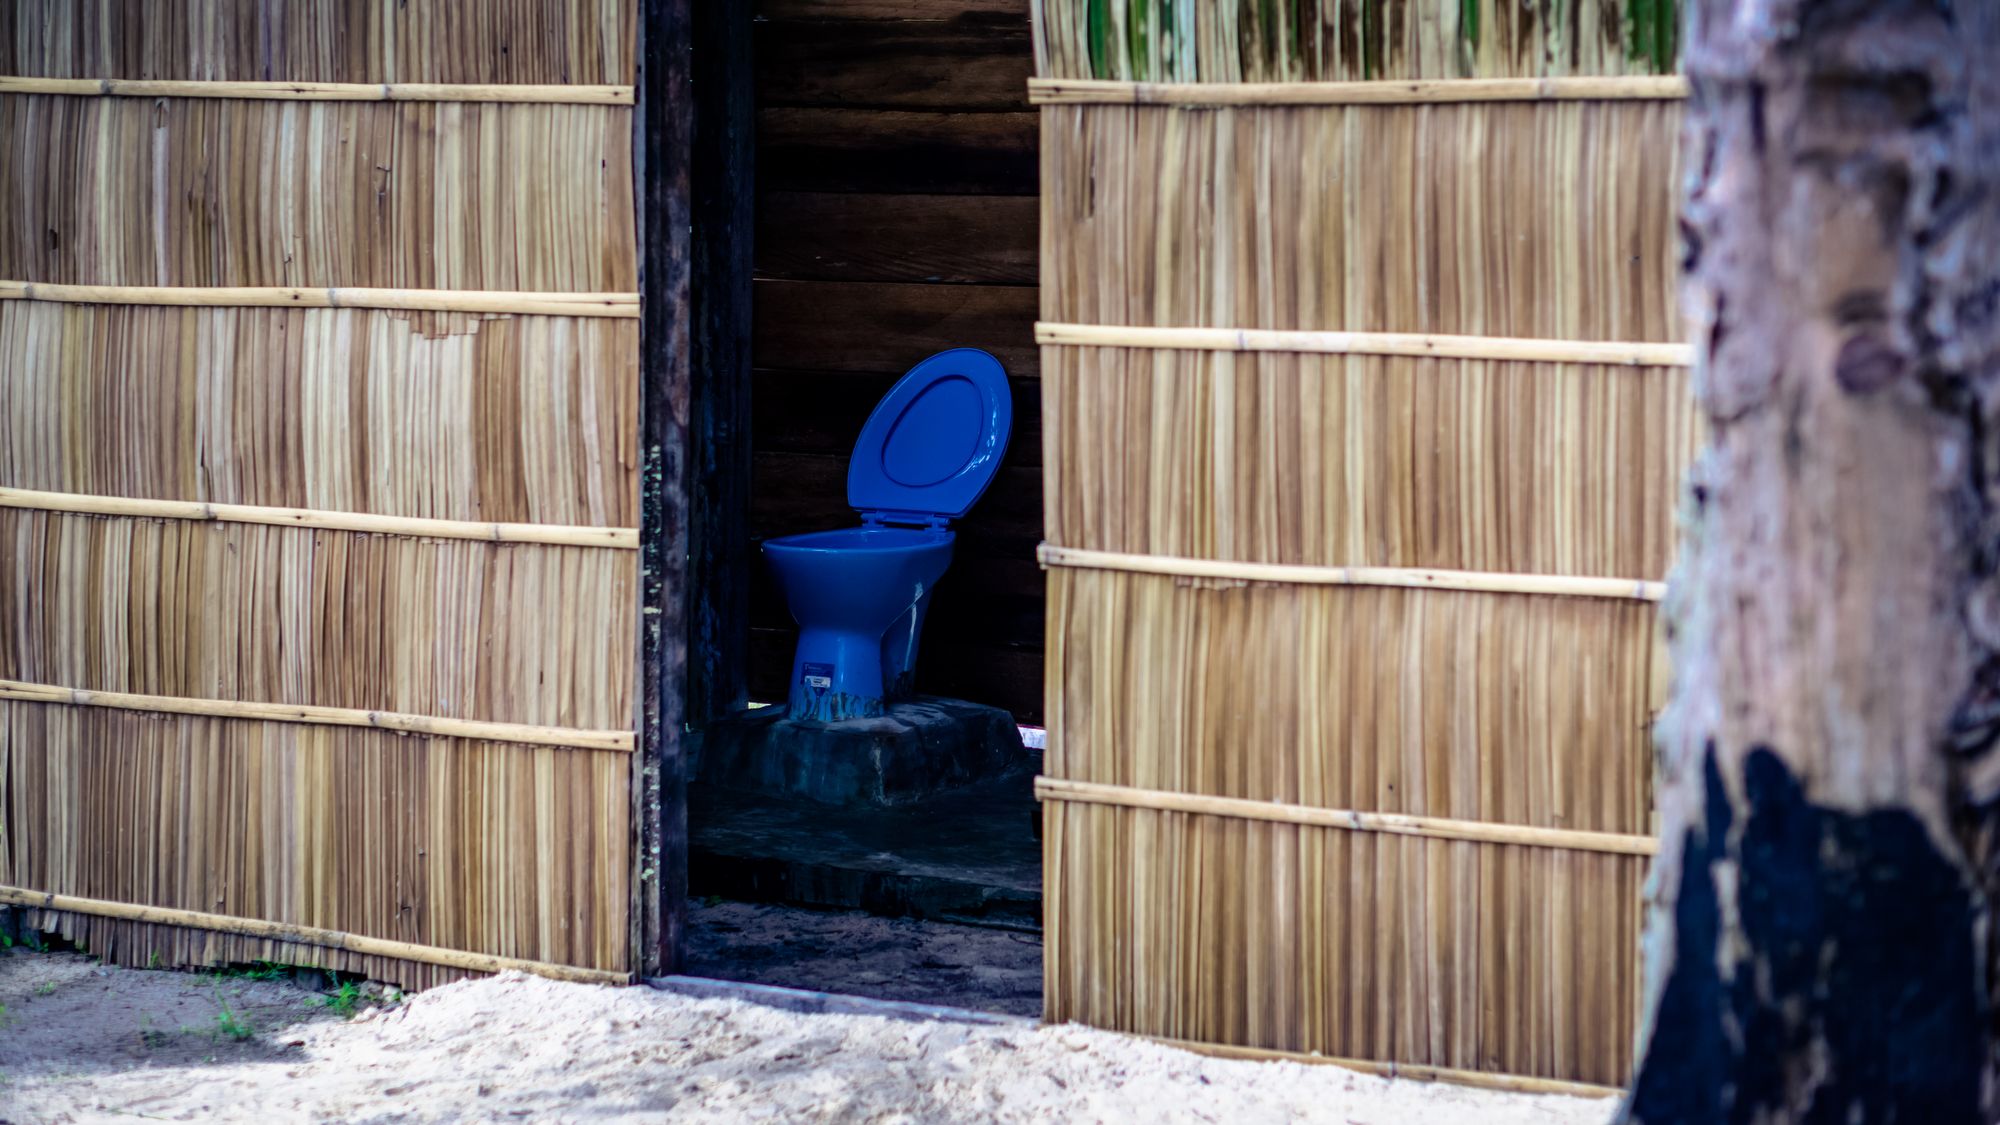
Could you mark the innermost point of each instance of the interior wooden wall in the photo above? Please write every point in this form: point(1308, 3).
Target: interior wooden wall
point(897, 216)
point(512, 847)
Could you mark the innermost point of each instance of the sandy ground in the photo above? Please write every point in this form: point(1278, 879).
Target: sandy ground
point(862, 955)
point(87, 1043)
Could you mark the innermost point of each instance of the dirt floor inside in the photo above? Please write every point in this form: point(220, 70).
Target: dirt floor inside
point(81, 1042)
point(989, 970)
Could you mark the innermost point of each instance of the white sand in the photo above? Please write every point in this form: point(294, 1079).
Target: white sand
point(518, 1048)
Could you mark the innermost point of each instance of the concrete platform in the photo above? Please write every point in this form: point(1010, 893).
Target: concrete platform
point(922, 747)
point(970, 855)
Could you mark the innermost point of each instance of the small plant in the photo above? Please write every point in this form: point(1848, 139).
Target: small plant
point(46, 988)
point(154, 961)
point(343, 1001)
point(228, 1023)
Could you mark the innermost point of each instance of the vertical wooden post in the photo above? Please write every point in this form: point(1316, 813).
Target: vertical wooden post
point(662, 146)
point(724, 217)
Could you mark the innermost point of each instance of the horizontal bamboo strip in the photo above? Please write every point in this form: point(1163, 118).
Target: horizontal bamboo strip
point(1417, 1072)
point(493, 848)
point(499, 632)
point(454, 416)
point(1366, 460)
point(1608, 353)
point(615, 538)
point(320, 91)
point(1438, 828)
point(305, 935)
point(1076, 91)
point(432, 300)
point(485, 41)
point(1403, 577)
point(1529, 221)
point(421, 196)
point(1355, 945)
point(620, 740)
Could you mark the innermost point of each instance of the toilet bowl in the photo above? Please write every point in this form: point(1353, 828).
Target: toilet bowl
point(859, 594)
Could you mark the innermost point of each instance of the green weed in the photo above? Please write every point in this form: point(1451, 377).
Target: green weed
point(228, 1023)
point(343, 1001)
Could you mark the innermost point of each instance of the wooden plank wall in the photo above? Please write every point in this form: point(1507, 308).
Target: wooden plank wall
point(139, 812)
point(897, 216)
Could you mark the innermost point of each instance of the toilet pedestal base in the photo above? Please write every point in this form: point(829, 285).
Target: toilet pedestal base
point(921, 747)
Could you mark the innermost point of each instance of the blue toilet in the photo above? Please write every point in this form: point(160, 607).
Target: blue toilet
point(925, 456)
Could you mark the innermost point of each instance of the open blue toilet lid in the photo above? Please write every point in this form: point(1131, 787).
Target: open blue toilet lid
point(935, 440)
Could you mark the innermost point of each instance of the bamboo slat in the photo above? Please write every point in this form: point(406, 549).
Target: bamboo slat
point(319, 91)
point(1536, 221)
point(497, 850)
point(1309, 41)
point(409, 41)
point(1362, 945)
point(1429, 827)
point(1359, 462)
point(617, 538)
point(432, 416)
point(326, 716)
point(624, 305)
point(305, 935)
point(316, 195)
point(1366, 343)
point(1230, 570)
point(1073, 91)
point(499, 632)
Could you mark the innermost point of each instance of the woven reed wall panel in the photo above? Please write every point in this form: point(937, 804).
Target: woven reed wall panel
point(519, 851)
point(191, 191)
point(1491, 219)
point(1512, 709)
point(478, 41)
point(1347, 40)
point(1330, 460)
point(1353, 944)
point(514, 419)
point(457, 628)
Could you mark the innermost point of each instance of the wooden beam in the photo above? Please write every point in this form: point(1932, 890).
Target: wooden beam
point(1397, 824)
point(624, 305)
point(1473, 581)
point(1078, 91)
point(305, 935)
point(432, 725)
point(1612, 352)
point(559, 535)
point(663, 146)
point(724, 221)
point(320, 91)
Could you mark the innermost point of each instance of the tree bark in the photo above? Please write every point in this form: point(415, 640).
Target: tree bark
point(1821, 945)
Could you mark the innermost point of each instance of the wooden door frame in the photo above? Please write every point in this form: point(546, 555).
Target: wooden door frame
point(693, 138)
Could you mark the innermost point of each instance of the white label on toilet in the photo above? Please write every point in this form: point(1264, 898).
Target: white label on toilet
point(818, 676)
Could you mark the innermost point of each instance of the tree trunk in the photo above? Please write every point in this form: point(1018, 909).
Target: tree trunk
point(1821, 942)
